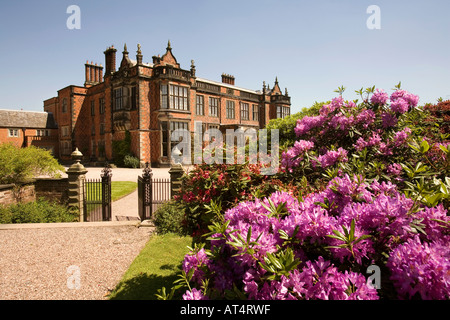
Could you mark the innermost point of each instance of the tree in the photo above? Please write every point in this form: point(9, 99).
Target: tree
point(17, 165)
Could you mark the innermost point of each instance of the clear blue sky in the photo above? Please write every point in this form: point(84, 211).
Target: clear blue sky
point(313, 47)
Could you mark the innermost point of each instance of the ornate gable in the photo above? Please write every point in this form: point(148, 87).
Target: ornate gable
point(276, 89)
point(168, 58)
point(126, 62)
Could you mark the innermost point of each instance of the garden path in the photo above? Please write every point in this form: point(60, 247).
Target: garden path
point(66, 261)
point(126, 208)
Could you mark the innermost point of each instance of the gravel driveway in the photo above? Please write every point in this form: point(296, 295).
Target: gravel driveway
point(67, 263)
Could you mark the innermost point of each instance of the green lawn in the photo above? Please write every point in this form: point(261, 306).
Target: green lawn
point(156, 266)
point(119, 189)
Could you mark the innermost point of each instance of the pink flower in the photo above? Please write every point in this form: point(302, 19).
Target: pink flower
point(336, 103)
point(196, 260)
point(379, 97)
point(400, 137)
point(360, 144)
point(350, 105)
point(385, 149)
point(421, 269)
point(374, 140)
point(435, 221)
point(341, 122)
point(400, 105)
point(359, 251)
point(403, 100)
point(293, 157)
point(366, 117)
point(395, 169)
point(321, 280)
point(331, 157)
point(307, 123)
point(410, 98)
point(389, 120)
point(194, 295)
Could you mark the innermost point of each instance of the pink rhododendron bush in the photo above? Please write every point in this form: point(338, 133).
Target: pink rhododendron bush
point(363, 215)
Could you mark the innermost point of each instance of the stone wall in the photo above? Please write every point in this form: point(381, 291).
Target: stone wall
point(55, 190)
point(12, 194)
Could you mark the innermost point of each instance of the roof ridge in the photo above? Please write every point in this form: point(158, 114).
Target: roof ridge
point(15, 110)
point(228, 85)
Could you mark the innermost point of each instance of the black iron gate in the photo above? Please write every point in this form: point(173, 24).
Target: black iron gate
point(97, 197)
point(152, 193)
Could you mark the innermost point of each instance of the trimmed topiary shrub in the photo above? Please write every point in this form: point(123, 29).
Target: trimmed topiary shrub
point(131, 162)
point(169, 218)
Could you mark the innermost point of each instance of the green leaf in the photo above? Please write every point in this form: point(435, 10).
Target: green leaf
point(335, 237)
point(283, 234)
point(339, 234)
point(346, 232)
point(413, 146)
point(352, 230)
point(424, 146)
point(274, 261)
point(190, 274)
point(334, 247)
point(444, 189)
point(365, 236)
point(249, 234)
point(446, 150)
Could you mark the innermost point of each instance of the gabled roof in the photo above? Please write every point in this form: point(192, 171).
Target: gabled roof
point(27, 119)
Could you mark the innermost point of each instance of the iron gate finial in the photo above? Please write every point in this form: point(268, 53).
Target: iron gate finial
point(147, 172)
point(107, 171)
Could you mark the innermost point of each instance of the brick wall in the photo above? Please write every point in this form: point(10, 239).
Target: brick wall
point(29, 137)
point(5, 138)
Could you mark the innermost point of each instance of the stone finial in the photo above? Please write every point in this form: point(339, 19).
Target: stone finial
point(76, 155)
point(139, 54)
point(77, 167)
point(192, 68)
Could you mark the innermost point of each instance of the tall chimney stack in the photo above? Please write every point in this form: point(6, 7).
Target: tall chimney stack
point(92, 69)
point(93, 74)
point(100, 73)
point(110, 60)
point(228, 79)
point(87, 72)
point(96, 73)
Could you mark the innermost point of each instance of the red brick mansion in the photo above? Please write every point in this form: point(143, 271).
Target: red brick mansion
point(150, 100)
